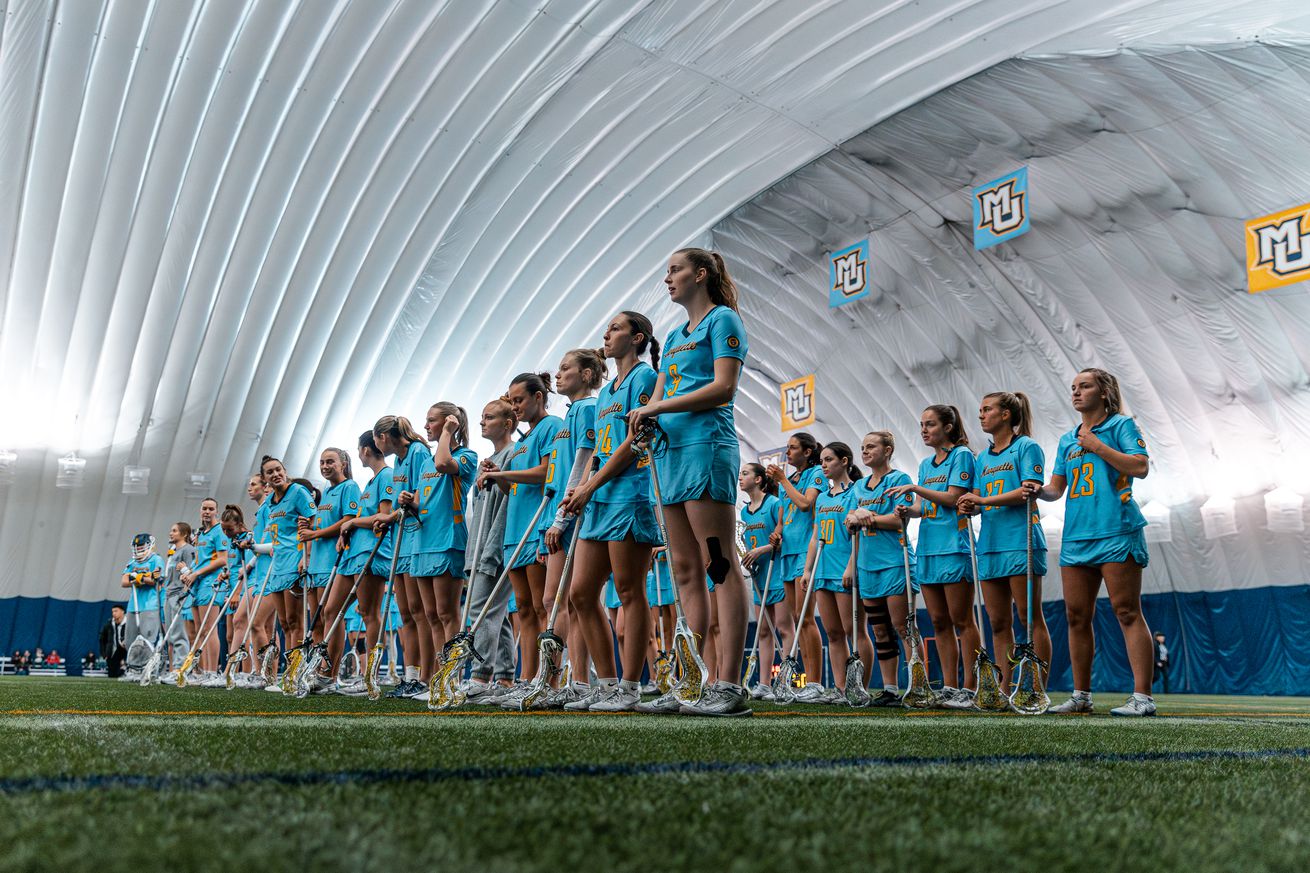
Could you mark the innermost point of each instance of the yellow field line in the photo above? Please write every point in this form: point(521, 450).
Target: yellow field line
point(540, 713)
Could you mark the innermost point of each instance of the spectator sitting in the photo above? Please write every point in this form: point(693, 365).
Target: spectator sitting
point(27, 662)
point(89, 661)
point(38, 659)
point(53, 659)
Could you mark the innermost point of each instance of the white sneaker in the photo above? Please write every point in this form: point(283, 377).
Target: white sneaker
point(273, 688)
point(665, 704)
point(956, 698)
point(351, 688)
point(833, 697)
point(420, 691)
point(759, 690)
point(478, 692)
point(170, 679)
point(1079, 703)
point(1135, 707)
point(617, 699)
point(811, 693)
point(650, 688)
point(595, 694)
point(213, 680)
point(250, 681)
point(721, 700)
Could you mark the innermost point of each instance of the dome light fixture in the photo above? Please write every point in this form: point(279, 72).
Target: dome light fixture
point(72, 471)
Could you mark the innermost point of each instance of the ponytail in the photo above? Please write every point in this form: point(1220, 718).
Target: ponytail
point(231, 513)
point(641, 324)
point(461, 417)
point(309, 486)
point(721, 288)
point(1016, 403)
point(951, 421)
point(366, 441)
point(398, 427)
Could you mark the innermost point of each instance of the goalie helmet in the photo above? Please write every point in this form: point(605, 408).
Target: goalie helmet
point(143, 546)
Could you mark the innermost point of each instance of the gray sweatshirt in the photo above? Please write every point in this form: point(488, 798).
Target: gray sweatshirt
point(490, 505)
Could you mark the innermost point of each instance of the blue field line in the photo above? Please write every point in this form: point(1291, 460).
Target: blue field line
point(491, 774)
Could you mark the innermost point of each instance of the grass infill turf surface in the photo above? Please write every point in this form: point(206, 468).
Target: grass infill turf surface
point(388, 786)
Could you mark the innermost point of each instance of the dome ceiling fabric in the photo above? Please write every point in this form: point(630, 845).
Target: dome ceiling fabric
point(232, 228)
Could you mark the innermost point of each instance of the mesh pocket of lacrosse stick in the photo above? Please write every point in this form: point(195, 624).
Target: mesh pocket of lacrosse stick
point(692, 684)
point(268, 661)
point(990, 697)
point(1028, 696)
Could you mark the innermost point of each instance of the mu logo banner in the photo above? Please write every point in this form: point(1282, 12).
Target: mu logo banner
point(848, 274)
point(1278, 249)
point(770, 457)
point(1000, 209)
point(798, 403)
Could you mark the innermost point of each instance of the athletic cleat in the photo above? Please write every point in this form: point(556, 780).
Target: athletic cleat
point(320, 684)
point(665, 704)
point(594, 695)
point(568, 694)
point(402, 690)
point(616, 699)
point(1135, 707)
point(811, 693)
point(720, 700)
point(956, 698)
point(758, 690)
point(213, 680)
point(886, 698)
point(273, 687)
point(420, 691)
point(649, 688)
point(1073, 704)
point(834, 697)
point(479, 692)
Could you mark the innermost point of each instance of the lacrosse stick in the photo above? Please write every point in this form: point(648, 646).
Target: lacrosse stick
point(234, 659)
point(459, 649)
point(548, 644)
point(151, 670)
point(987, 676)
point(316, 654)
point(761, 615)
point(919, 695)
point(140, 645)
point(857, 694)
point(691, 668)
point(202, 642)
point(784, 688)
point(1027, 692)
point(371, 677)
point(663, 659)
point(297, 672)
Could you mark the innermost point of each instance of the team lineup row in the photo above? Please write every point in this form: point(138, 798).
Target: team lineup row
point(651, 459)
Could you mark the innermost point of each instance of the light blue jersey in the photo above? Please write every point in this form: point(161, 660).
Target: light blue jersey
point(208, 544)
point(259, 533)
point(409, 475)
point(338, 502)
point(760, 522)
point(577, 434)
point(353, 620)
point(1099, 501)
point(523, 498)
point(616, 400)
point(688, 364)
point(362, 539)
point(880, 549)
point(797, 525)
point(941, 529)
point(441, 505)
point(147, 596)
point(830, 512)
point(283, 517)
point(1001, 472)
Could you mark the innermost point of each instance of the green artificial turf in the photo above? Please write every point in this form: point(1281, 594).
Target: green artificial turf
point(250, 780)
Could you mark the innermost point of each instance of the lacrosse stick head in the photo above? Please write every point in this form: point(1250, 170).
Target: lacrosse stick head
point(856, 694)
point(233, 663)
point(1028, 695)
point(186, 668)
point(444, 692)
point(751, 663)
point(919, 695)
point(349, 668)
point(291, 675)
point(269, 656)
point(151, 670)
point(990, 697)
point(784, 683)
point(308, 669)
point(664, 672)
point(692, 684)
point(371, 679)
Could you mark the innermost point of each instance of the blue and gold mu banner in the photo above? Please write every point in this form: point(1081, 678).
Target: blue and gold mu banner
point(1000, 209)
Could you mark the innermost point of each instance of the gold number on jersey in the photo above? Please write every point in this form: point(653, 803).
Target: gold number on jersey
point(1083, 484)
